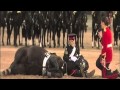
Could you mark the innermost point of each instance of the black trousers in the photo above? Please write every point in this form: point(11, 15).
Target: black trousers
point(99, 65)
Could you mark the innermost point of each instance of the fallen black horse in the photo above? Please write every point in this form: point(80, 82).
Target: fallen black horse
point(35, 60)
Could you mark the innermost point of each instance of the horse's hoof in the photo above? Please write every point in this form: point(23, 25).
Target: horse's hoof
point(83, 47)
point(3, 44)
point(49, 46)
point(63, 45)
point(58, 46)
point(26, 44)
point(20, 44)
point(98, 48)
point(44, 45)
point(15, 45)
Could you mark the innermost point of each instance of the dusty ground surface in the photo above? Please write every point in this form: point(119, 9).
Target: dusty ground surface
point(91, 54)
point(7, 56)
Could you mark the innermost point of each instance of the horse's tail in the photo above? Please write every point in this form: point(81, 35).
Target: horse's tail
point(5, 72)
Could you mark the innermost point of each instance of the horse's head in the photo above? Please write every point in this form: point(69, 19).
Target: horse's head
point(81, 62)
point(54, 66)
point(54, 61)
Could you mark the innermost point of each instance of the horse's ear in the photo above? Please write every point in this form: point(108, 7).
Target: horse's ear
point(81, 56)
point(53, 53)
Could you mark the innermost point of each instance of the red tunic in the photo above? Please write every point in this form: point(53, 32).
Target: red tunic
point(106, 40)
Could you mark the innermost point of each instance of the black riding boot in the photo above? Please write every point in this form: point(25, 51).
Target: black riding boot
point(116, 71)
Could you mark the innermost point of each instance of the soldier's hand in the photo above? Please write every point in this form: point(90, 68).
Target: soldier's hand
point(73, 44)
point(103, 55)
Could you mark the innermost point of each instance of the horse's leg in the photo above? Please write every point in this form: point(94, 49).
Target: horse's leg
point(54, 33)
point(37, 36)
point(8, 34)
point(48, 35)
point(82, 39)
point(98, 43)
point(95, 38)
point(30, 35)
point(68, 32)
point(58, 36)
point(26, 36)
point(54, 40)
point(50, 38)
point(11, 28)
point(117, 36)
point(40, 36)
point(63, 37)
point(78, 34)
point(18, 33)
point(67, 35)
point(3, 36)
point(15, 35)
point(33, 37)
point(92, 36)
point(44, 37)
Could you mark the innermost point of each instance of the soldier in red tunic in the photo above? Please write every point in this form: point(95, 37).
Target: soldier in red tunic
point(105, 58)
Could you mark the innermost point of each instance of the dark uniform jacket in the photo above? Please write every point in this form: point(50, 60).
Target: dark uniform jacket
point(68, 51)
